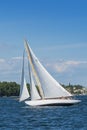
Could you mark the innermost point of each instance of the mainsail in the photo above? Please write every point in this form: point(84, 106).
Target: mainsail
point(23, 88)
point(33, 69)
point(48, 85)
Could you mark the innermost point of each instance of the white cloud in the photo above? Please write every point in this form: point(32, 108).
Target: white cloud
point(10, 65)
point(2, 60)
point(75, 62)
point(63, 66)
point(10, 69)
point(63, 46)
point(17, 58)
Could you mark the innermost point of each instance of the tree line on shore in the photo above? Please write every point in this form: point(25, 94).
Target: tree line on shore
point(13, 88)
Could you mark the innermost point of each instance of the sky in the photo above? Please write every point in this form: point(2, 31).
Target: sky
point(56, 30)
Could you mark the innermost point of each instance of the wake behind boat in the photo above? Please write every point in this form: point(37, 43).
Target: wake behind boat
point(44, 89)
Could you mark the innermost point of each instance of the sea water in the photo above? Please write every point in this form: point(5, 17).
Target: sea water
point(15, 115)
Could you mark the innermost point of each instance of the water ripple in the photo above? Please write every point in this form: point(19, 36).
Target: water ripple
point(18, 116)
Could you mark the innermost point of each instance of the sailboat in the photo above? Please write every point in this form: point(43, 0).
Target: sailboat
point(44, 89)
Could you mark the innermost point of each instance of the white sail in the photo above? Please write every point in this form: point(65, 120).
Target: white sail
point(51, 88)
point(23, 88)
point(34, 92)
point(24, 92)
point(34, 71)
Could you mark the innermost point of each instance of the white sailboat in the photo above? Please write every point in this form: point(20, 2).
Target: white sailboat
point(49, 92)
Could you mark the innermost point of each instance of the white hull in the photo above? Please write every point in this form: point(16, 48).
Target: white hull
point(51, 102)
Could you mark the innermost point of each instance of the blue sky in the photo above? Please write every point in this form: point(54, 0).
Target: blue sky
point(56, 31)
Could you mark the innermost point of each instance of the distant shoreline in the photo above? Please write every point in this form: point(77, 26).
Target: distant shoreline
point(12, 89)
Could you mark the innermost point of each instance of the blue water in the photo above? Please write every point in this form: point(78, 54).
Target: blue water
point(19, 116)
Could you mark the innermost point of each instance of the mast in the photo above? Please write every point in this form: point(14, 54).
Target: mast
point(33, 69)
